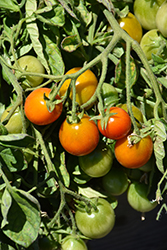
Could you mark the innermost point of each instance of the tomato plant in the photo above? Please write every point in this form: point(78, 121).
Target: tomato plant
point(36, 110)
point(15, 124)
point(161, 19)
point(42, 176)
point(97, 223)
point(85, 84)
point(31, 64)
point(137, 197)
point(151, 43)
point(98, 162)
point(131, 25)
point(118, 124)
point(115, 182)
point(79, 138)
point(136, 155)
point(145, 12)
point(72, 243)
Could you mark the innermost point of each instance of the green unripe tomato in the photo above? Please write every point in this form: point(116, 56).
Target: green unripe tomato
point(145, 11)
point(98, 162)
point(151, 42)
point(115, 182)
point(14, 125)
point(137, 197)
point(31, 64)
point(72, 243)
point(161, 19)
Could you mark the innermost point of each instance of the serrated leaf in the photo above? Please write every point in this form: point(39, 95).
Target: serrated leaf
point(23, 218)
point(90, 192)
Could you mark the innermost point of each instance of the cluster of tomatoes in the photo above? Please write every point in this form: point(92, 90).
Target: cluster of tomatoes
point(150, 18)
point(103, 140)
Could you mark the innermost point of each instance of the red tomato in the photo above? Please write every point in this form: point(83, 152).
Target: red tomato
point(36, 110)
point(118, 124)
point(136, 155)
point(79, 138)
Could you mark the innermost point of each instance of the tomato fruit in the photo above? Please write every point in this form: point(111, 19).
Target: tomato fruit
point(109, 94)
point(14, 125)
point(85, 84)
point(137, 197)
point(79, 138)
point(31, 64)
point(151, 42)
point(98, 223)
point(145, 11)
point(118, 125)
point(161, 19)
point(73, 243)
point(136, 155)
point(132, 26)
point(98, 162)
point(36, 109)
point(115, 182)
point(136, 112)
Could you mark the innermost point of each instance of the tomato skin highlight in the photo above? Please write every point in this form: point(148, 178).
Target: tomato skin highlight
point(36, 110)
point(118, 125)
point(85, 84)
point(98, 223)
point(79, 138)
point(132, 26)
point(134, 156)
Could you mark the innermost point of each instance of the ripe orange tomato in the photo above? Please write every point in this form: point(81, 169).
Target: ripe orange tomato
point(118, 125)
point(86, 85)
point(36, 110)
point(132, 26)
point(134, 156)
point(79, 138)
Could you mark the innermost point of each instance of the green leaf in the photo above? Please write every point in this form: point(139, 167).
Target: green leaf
point(5, 206)
point(9, 5)
point(32, 28)
point(64, 173)
point(107, 3)
point(23, 217)
point(8, 157)
point(71, 43)
point(90, 192)
point(55, 16)
point(13, 159)
point(68, 5)
point(54, 56)
point(159, 149)
point(16, 140)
